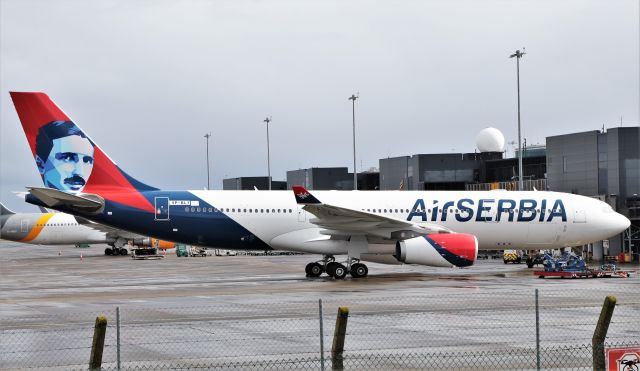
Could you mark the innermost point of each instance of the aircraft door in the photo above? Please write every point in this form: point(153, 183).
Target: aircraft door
point(579, 216)
point(24, 225)
point(162, 208)
point(302, 215)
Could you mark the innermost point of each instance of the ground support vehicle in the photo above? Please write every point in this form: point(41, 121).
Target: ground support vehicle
point(197, 251)
point(570, 265)
point(512, 256)
point(611, 270)
point(532, 260)
point(181, 251)
point(145, 253)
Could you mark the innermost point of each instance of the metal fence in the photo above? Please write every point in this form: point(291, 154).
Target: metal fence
point(486, 329)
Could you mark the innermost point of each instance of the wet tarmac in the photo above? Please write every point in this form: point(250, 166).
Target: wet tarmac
point(263, 307)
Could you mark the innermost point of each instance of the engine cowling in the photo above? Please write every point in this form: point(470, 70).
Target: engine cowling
point(152, 242)
point(439, 250)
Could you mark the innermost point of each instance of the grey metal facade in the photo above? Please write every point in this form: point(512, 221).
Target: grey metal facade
point(394, 171)
point(595, 163)
point(321, 178)
point(429, 171)
point(248, 183)
point(603, 164)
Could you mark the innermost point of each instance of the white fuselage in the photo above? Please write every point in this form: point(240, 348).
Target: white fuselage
point(499, 219)
point(48, 229)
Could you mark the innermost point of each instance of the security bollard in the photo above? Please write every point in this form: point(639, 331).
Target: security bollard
point(597, 342)
point(100, 329)
point(338, 338)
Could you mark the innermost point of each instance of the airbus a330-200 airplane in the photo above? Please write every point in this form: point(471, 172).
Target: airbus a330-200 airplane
point(432, 228)
point(64, 229)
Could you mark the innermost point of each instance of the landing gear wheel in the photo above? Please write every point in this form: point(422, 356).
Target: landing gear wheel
point(359, 270)
point(313, 270)
point(331, 267)
point(108, 251)
point(339, 271)
point(124, 251)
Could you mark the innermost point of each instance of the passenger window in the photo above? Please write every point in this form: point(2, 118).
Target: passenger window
point(261, 210)
point(193, 209)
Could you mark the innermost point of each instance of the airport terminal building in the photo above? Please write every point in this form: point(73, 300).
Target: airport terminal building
point(601, 164)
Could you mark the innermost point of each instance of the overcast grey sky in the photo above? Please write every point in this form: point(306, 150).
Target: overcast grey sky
point(147, 79)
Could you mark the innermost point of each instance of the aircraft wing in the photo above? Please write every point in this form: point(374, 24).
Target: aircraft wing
point(110, 231)
point(55, 198)
point(341, 221)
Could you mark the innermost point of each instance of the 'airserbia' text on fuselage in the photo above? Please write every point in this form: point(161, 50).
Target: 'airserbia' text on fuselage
point(466, 210)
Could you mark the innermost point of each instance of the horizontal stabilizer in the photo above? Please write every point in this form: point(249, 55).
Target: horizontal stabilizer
point(55, 199)
point(4, 210)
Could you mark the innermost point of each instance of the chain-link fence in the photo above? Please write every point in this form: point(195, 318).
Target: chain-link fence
point(479, 329)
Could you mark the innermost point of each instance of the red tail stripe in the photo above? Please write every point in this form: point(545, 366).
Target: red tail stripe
point(35, 110)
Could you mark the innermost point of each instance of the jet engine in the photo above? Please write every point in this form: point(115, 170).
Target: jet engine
point(152, 242)
point(439, 250)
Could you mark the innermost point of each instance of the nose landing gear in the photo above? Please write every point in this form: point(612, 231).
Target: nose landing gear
point(337, 270)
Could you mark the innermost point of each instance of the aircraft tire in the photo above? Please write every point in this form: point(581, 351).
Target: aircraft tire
point(359, 270)
point(124, 251)
point(339, 271)
point(108, 251)
point(331, 267)
point(315, 270)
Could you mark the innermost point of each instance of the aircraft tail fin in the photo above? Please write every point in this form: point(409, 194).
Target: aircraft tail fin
point(5, 210)
point(68, 160)
point(304, 197)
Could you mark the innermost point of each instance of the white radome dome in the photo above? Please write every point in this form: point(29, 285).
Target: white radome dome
point(490, 140)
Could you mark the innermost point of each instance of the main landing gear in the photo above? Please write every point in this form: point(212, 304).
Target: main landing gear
point(337, 270)
point(116, 251)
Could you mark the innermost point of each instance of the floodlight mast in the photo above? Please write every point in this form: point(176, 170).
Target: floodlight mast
point(353, 98)
point(518, 54)
point(207, 136)
point(268, 120)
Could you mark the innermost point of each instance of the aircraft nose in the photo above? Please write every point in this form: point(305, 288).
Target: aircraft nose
point(622, 222)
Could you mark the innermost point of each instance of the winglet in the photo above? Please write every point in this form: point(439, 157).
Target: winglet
point(303, 196)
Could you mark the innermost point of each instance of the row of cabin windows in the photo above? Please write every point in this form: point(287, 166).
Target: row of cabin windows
point(233, 210)
point(274, 211)
point(56, 224)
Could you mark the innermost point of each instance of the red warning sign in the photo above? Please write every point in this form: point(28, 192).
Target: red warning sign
point(623, 359)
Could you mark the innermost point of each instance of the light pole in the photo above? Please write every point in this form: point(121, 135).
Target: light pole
point(207, 136)
point(268, 120)
point(353, 98)
point(518, 54)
